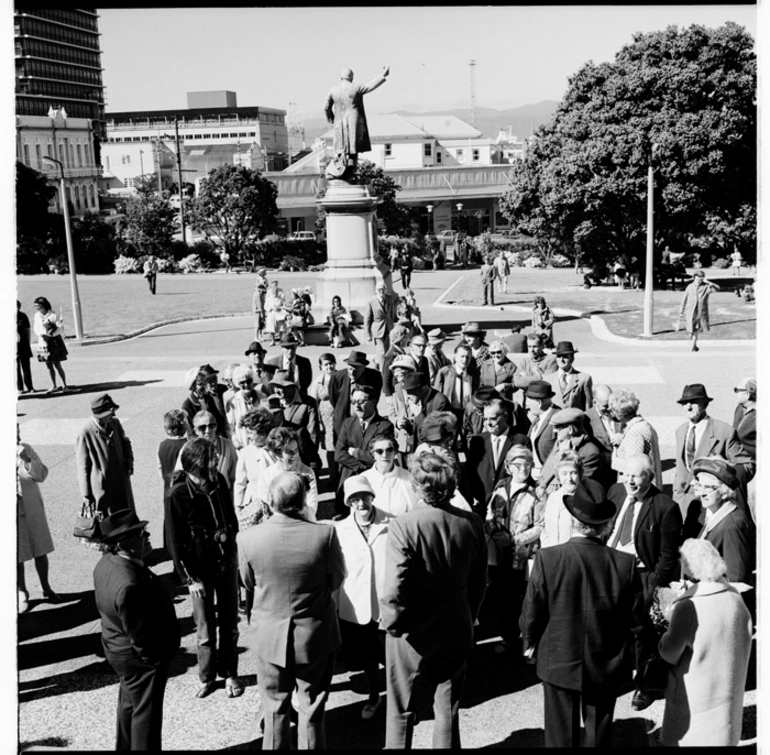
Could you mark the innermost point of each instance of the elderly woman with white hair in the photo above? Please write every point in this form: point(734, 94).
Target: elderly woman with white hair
point(638, 436)
point(708, 644)
point(552, 517)
point(247, 399)
point(498, 371)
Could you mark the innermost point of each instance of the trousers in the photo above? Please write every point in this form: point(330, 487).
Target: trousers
point(276, 685)
point(489, 292)
point(140, 702)
point(444, 670)
point(562, 717)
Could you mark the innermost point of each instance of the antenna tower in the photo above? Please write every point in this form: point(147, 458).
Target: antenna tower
point(472, 64)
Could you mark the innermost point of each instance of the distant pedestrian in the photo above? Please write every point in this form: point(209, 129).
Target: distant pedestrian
point(502, 271)
point(694, 310)
point(140, 631)
point(297, 318)
point(23, 352)
point(737, 261)
point(50, 345)
point(487, 274)
point(338, 320)
point(275, 311)
point(150, 269)
point(225, 258)
point(620, 274)
point(379, 320)
point(543, 320)
point(258, 303)
point(406, 266)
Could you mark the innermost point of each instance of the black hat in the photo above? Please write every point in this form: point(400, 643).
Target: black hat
point(207, 369)
point(116, 526)
point(289, 340)
point(589, 503)
point(484, 395)
point(719, 468)
point(694, 392)
point(357, 359)
point(103, 406)
point(539, 389)
point(565, 347)
point(414, 380)
point(255, 346)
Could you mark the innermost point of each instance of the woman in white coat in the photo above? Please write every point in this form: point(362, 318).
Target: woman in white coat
point(363, 536)
point(392, 485)
point(708, 644)
point(34, 536)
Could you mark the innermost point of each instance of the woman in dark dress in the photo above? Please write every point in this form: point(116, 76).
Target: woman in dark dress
point(50, 346)
point(23, 352)
point(177, 429)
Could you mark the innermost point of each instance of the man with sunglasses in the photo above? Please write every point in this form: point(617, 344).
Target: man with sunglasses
point(205, 426)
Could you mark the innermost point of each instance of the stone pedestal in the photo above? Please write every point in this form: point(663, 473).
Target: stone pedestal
point(353, 268)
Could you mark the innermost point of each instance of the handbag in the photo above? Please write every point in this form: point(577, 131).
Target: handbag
point(87, 524)
point(655, 676)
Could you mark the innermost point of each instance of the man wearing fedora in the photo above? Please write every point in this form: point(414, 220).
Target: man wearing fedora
point(420, 400)
point(573, 389)
point(263, 373)
point(351, 450)
point(485, 465)
point(140, 631)
point(703, 436)
point(538, 401)
point(649, 527)
point(582, 610)
point(297, 367)
point(434, 352)
point(473, 419)
point(104, 459)
point(344, 381)
point(379, 319)
point(488, 274)
point(474, 336)
point(300, 413)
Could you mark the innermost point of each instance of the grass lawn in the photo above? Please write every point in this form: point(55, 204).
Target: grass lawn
point(731, 317)
point(117, 304)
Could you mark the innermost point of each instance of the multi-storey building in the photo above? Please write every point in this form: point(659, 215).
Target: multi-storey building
point(60, 98)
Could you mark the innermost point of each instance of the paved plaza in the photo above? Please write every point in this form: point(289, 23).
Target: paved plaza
point(68, 693)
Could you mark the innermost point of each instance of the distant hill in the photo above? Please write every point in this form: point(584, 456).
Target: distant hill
point(521, 120)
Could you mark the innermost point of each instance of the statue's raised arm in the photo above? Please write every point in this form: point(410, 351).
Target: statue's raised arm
point(345, 110)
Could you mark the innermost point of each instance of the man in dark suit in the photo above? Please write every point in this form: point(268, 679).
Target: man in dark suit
point(458, 382)
point(296, 632)
point(342, 384)
point(485, 465)
point(745, 417)
point(582, 609)
point(263, 373)
point(649, 527)
point(300, 413)
point(297, 367)
point(602, 427)
point(351, 451)
point(573, 389)
point(703, 436)
point(420, 401)
point(140, 632)
point(379, 320)
point(435, 576)
point(538, 401)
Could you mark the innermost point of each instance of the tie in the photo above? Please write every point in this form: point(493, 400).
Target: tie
point(462, 383)
point(626, 525)
point(496, 448)
point(363, 427)
point(563, 382)
point(690, 447)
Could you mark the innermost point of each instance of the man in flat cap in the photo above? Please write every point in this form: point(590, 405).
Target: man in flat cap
point(104, 459)
point(582, 610)
point(434, 352)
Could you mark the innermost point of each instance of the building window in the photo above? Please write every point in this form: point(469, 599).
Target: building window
point(475, 155)
point(438, 157)
point(428, 147)
point(91, 194)
point(252, 133)
point(25, 157)
point(108, 162)
point(388, 150)
point(460, 155)
point(197, 136)
point(242, 133)
point(125, 160)
point(39, 156)
point(77, 197)
point(80, 155)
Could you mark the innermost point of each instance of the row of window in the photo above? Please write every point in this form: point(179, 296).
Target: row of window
point(58, 89)
point(428, 152)
point(35, 28)
point(69, 154)
point(74, 194)
point(36, 106)
point(70, 17)
point(182, 137)
point(48, 70)
point(56, 52)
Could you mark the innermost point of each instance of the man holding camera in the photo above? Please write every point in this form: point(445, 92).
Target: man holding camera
point(201, 526)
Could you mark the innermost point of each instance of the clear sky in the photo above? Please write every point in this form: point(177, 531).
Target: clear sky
point(274, 56)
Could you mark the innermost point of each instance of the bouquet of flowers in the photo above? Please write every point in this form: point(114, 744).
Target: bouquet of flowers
point(663, 603)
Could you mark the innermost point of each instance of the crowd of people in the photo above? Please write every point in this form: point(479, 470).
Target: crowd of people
point(462, 479)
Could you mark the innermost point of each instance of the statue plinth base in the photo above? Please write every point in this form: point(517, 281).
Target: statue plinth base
point(353, 268)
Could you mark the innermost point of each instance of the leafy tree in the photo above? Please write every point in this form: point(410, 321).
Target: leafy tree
point(395, 217)
point(94, 244)
point(149, 224)
point(235, 206)
point(33, 196)
point(692, 94)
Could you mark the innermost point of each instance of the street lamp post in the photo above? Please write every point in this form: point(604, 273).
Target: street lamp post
point(648, 271)
point(429, 208)
point(141, 162)
point(70, 250)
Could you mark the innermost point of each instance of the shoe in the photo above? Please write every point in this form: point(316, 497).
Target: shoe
point(65, 389)
point(641, 700)
point(234, 686)
point(370, 709)
point(52, 390)
point(23, 602)
point(695, 348)
point(204, 689)
point(53, 597)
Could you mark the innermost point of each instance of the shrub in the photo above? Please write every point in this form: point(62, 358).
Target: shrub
point(533, 261)
point(207, 253)
point(720, 263)
point(179, 249)
point(59, 265)
point(167, 265)
point(316, 268)
point(127, 265)
point(292, 263)
point(191, 264)
point(272, 250)
point(559, 260)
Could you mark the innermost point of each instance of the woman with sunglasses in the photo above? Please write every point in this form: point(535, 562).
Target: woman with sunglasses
point(283, 444)
point(391, 484)
point(498, 371)
point(513, 540)
point(50, 345)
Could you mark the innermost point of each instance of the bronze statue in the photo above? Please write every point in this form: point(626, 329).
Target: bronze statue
point(345, 110)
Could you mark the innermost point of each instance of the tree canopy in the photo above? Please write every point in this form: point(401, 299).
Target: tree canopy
point(235, 206)
point(149, 224)
point(685, 98)
point(33, 196)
